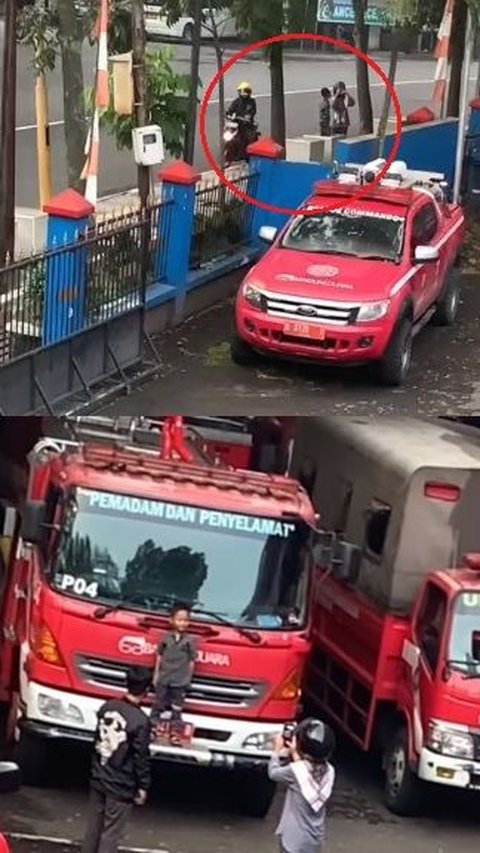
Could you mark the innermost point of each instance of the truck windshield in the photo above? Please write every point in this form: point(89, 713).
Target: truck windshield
point(464, 648)
point(148, 554)
point(347, 232)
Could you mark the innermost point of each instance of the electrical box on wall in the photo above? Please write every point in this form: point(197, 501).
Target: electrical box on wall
point(148, 148)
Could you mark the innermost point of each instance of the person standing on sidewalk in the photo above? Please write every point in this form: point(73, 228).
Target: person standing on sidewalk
point(120, 773)
point(342, 101)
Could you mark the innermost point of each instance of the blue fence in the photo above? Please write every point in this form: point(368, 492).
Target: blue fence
point(428, 146)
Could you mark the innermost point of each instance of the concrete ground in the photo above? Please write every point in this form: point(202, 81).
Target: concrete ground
point(199, 377)
point(196, 813)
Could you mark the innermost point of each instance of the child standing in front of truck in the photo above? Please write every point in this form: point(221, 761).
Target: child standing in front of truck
point(174, 666)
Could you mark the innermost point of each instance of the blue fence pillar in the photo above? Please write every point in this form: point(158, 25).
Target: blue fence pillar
point(64, 310)
point(179, 181)
point(264, 154)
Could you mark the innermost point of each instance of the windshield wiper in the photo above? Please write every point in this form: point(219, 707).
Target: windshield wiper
point(472, 673)
point(106, 609)
point(249, 633)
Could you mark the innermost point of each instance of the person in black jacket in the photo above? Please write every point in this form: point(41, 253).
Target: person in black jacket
point(120, 773)
point(244, 109)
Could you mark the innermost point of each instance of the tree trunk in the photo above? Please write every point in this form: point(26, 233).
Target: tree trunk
point(75, 128)
point(392, 70)
point(277, 104)
point(363, 81)
point(457, 50)
point(189, 149)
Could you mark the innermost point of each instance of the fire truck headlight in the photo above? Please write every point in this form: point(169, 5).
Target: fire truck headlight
point(449, 741)
point(263, 741)
point(371, 311)
point(56, 709)
point(253, 296)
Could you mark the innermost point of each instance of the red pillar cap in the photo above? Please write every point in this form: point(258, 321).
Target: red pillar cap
point(266, 147)
point(420, 116)
point(69, 205)
point(179, 172)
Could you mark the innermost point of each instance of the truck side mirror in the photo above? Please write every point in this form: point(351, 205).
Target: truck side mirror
point(10, 777)
point(344, 558)
point(33, 521)
point(346, 561)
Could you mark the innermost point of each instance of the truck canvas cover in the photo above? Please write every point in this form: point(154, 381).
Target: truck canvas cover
point(405, 490)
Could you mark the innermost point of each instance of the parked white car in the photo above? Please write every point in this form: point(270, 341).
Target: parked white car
point(156, 24)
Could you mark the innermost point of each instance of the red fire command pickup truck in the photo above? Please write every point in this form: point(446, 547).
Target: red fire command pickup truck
point(395, 659)
point(116, 528)
point(354, 285)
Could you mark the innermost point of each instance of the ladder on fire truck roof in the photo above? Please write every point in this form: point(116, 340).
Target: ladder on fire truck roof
point(157, 443)
point(398, 176)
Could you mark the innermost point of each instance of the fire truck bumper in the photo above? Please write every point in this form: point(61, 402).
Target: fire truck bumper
point(445, 770)
point(218, 742)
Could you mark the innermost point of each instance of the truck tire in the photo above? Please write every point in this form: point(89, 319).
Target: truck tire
point(241, 352)
point(447, 306)
point(393, 368)
point(403, 790)
point(256, 795)
point(32, 754)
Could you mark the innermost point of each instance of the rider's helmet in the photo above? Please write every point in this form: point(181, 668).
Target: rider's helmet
point(244, 89)
point(315, 739)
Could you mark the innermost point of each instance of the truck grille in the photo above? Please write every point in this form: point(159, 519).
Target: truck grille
point(204, 689)
point(297, 308)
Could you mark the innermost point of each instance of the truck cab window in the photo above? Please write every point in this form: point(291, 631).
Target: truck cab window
point(429, 625)
point(378, 518)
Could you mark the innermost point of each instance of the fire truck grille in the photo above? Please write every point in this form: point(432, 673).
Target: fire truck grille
point(214, 691)
point(310, 310)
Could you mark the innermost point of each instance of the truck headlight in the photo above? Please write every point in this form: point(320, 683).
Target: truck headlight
point(263, 741)
point(371, 311)
point(253, 296)
point(56, 709)
point(449, 741)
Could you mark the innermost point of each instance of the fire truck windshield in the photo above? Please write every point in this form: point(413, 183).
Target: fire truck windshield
point(146, 555)
point(350, 231)
point(464, 645)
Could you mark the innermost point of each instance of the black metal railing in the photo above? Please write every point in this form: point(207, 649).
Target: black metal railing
point(102, 275)
point(222, 221)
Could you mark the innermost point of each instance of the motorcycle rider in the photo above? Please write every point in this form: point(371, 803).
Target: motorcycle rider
point(244, 108)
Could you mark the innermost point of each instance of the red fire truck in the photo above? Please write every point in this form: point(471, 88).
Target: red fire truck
point(395, 661)
point(121, 520)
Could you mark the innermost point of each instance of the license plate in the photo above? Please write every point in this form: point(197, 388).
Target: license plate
point(304, 330)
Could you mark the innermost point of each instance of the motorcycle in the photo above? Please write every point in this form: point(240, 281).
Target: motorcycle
point(238, 134)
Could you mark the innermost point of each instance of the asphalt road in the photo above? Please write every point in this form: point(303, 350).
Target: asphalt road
point(193, 812)
point(197, 375)
point(304, 76)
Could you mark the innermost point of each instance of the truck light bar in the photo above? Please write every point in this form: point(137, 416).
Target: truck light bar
point(472, 561)
point(447, 492)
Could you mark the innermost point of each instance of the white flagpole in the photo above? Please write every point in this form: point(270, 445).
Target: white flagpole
point(467, 62)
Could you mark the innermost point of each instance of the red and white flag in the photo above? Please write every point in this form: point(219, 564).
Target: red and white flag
point(442, 52)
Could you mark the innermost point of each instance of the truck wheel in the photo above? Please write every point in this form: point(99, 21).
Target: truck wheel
point(447, 305)
point(402, 790)
point(256, 795)
point(241, 352)
point(32, 754)
point(393, 368)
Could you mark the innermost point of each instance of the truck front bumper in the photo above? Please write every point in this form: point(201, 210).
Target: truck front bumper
point(218, 741)
point(445, 770)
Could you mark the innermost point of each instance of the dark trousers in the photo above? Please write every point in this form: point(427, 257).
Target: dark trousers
point(105, 823)
point(168, 698)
